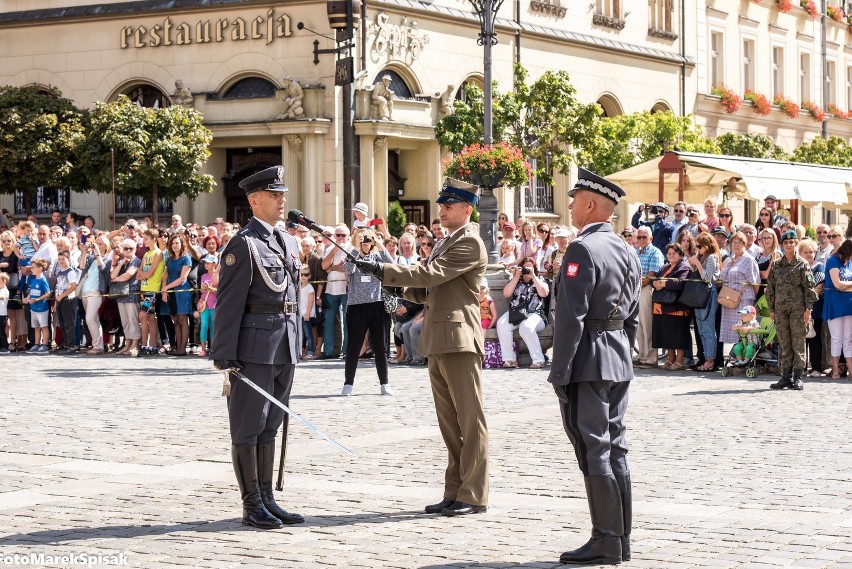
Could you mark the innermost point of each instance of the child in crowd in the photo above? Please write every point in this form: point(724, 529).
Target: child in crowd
point(744, 349)
point(65, 306)
point(307, 308)
point(207, 302)
point(487, 311)
point(508, 252)
point(27, 244)
point(37, 295)
point(4, 302)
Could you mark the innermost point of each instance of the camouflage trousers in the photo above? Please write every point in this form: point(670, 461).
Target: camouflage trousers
point(791, 336)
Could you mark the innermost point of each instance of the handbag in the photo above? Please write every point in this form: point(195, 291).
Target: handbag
point(391, 302)
point(695, 292)
point(729, 298)
point(811, 332)
point(664, 296)
point(516, 316)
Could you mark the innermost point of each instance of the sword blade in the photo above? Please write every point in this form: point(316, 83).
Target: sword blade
point(310, 426)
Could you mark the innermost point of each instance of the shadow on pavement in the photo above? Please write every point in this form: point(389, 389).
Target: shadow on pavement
point(64, 535)
point(496, 565)
point(724, 392)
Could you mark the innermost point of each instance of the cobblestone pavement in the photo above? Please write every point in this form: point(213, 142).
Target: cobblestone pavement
point(118, 455)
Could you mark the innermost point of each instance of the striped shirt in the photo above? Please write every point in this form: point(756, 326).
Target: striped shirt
point(651, 259)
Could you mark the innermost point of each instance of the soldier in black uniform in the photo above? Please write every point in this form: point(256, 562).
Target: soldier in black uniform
point(257, 331)
point(596, 322)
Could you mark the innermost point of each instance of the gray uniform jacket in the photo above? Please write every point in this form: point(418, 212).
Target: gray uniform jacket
point(264, 336)
point(598, 288)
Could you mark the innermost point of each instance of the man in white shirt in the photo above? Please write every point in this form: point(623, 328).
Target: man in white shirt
point(750, 232)
point(825, 248)
point(334, 298)
point(47, 250)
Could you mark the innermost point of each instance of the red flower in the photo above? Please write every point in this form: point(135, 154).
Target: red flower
point(761, 106)
point(816, 112)
point(810, 7)
point(487, 162)
point(730, 101)
point(835, 13)
point(833, 109)
point(789, 108)
point(784, 5)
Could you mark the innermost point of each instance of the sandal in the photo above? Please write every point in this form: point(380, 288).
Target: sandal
point(537, 366)
point(667, 366)
point(509, 364)
point(677, 367)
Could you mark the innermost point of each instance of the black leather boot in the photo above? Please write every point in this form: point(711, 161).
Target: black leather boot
point(265, 468)
point(255, 513)
point(785, 382)
point(604, 548)
point(623, 481)
point(797, 384)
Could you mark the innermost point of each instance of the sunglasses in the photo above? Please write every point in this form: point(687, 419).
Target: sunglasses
point(426, 245)
point(305, 274)
point(340, 235)
point(724, 215)
point(692, 212)
point(128, 248)
point(834, 236)
point(679, 211)
point(641, 237)
point(764, 215)
point(193, 234)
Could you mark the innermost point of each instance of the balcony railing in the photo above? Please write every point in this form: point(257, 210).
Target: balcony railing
point(138, 204)
point(44, 201)
point(539, 198)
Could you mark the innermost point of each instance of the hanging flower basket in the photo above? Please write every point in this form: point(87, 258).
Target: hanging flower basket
point(731, 102)
point(784, 5)
point(789, 108)
point(490, 166)
point(816, 111)
point(834, 110)
point(810, 7)
point(760, 104)
point(835, 13)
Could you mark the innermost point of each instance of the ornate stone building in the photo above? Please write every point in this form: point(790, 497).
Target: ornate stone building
point(249, 67)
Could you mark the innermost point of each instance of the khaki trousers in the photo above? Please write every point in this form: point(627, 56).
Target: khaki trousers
point(457, 389)
point(647, 353)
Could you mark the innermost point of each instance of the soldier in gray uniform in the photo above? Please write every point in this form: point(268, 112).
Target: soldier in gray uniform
point(790, 296)
point(257, 331)
point(595, 328)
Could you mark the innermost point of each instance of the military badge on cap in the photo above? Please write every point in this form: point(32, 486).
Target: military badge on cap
point(456, 191)
point(271, 179)
point(591, 182)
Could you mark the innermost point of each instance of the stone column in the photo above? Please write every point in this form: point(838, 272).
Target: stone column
point(379, 190)
point(292, 149)
point(368, 170)
point(313, 183)
point(105, 220)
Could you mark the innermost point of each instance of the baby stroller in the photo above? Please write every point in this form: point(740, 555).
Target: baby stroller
point(766, 348)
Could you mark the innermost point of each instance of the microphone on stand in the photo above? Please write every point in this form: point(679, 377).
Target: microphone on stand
point(297, 216)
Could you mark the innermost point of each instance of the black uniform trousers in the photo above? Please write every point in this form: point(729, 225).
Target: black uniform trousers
point(594, 422)
point(253, 419)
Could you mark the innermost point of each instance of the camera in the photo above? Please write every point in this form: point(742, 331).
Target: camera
point(526, 271)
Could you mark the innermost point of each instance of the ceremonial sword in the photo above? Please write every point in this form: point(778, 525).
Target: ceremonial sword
point(290, 412)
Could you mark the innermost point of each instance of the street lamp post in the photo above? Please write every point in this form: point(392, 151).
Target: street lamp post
point(486, 11)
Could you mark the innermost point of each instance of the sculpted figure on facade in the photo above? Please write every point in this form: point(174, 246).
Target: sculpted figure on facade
point(291, 97)
point(382, 99)
point(182, 96)
point(447, 101)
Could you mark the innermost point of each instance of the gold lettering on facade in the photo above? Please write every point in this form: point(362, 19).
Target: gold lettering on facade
point(238, 29)
point(401, 42)
point(551, 7)
point(184, 34)
point(220, 29)
point(270, 26)
point(140, 32)
point(155, 36)
point(202, 32)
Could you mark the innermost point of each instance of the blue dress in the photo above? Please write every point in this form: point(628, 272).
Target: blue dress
point(836, 303)
point(183, 296)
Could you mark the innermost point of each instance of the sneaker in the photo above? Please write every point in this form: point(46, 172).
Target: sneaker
point(386, 390)
point(814, 373)
point(134, 352)
point(42, 350)
point(3, 352)
point(35, 349)
point(347, 390)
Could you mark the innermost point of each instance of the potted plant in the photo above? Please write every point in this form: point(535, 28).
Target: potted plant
point(490, 166)
point(760, 104)
point(789, 108)
point(834, 110)
point(810, 7)
point(730, 101)
point(835, 13)
point(784, 5)
point(816, 112)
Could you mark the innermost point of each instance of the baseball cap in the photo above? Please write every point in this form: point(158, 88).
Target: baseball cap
point(771, 197)
point(561, 233)
point(748, 310)
point(661, 205)
point(211, 258)
point(628, 230)
point(719, 230)
point(509, 225)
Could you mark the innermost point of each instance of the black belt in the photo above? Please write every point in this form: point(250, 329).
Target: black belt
point(285, 308)
point(604, 325)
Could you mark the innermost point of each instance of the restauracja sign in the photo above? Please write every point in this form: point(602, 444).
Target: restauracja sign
point(269, 27)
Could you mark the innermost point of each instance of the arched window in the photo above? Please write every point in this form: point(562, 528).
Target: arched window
point(661, 107)
point(250, 88)
point(461, 94)
point(148, 96)
point(610, 105)
point(398, 85)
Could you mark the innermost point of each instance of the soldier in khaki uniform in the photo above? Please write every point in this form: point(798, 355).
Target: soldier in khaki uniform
point(453, 340)
point(790, 296)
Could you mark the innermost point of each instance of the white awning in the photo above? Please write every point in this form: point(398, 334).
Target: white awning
point(753, 178)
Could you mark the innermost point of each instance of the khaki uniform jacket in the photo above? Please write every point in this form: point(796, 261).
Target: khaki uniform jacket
point(449, 288)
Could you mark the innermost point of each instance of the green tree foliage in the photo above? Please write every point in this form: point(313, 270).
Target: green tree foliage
point(157, 151)
point(750, 145)
point(627, 140)
point(396, 218)
point(832, 152)
point(38, 130)
point(545, 119)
